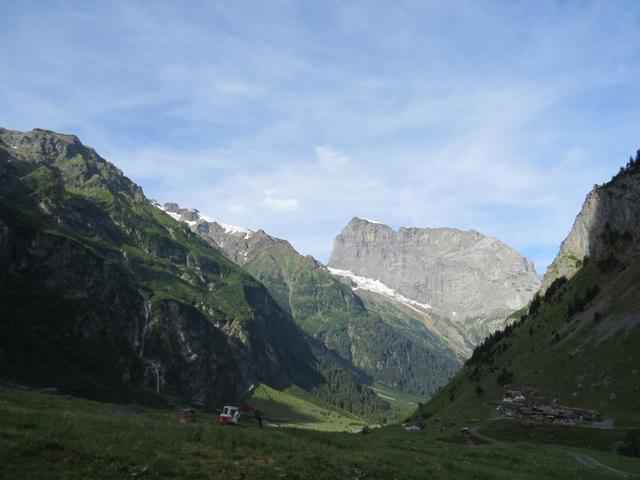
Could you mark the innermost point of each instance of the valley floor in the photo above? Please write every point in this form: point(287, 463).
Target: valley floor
point(56, 437)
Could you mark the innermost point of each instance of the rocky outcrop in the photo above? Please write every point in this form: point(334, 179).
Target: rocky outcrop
point(462, 275)
point(80, 165)
point(606, 225)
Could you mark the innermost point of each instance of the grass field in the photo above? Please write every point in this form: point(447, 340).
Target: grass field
point(402, 404)
point(291, 408)
point(54, 437)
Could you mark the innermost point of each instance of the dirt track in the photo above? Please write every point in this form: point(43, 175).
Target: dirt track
point(583, 459)
point(592, 463)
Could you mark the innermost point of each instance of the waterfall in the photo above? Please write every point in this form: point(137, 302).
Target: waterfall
point(153, 366)
point(157, 371)
point(145, 326)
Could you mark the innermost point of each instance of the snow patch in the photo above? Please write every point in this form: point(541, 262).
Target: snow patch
point(191, 223)
point(376, 286)
point(372, 221)
point(177, 216)
point(235, 229)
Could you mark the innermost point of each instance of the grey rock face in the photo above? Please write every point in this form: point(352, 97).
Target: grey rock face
point(461, 274)
point(615, 207)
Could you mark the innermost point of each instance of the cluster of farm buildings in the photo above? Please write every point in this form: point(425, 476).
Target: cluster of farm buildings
point(515, 405)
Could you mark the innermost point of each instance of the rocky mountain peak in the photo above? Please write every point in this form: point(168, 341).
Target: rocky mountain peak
point(234, 241)
point(79, 164)
point(462, 274)
point(373, 223)
point(193, 217)
point(606, 225)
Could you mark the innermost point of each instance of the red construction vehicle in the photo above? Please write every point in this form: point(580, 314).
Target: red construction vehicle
point(231, 414)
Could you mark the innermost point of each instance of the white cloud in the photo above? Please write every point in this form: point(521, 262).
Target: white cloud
point(280, 203)
point(331, 159)
point(237, 210)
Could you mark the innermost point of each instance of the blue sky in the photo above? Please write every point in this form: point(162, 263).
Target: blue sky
point(296, 116)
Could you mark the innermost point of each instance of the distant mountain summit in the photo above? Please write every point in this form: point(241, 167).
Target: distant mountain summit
point(474, 280)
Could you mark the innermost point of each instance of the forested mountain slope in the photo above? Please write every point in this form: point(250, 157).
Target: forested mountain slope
point(104, 295)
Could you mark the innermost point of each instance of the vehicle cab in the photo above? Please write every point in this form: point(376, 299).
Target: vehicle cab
point(229, 415)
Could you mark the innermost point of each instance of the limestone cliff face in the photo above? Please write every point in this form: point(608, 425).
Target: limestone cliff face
point(463, 275)
point(609, 218)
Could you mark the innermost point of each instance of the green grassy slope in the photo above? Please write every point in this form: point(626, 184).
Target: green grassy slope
point(293, 407)
point(577, 344)
point(53, 437)
point(587, 360)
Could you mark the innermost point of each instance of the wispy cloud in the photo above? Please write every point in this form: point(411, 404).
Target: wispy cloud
point(296, 116)
point(330, 158)
point(273, 202)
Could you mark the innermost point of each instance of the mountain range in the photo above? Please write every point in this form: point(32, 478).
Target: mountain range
point(397, 342)
point(111, 295)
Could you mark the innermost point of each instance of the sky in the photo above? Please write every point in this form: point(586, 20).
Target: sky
point(295, 116)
